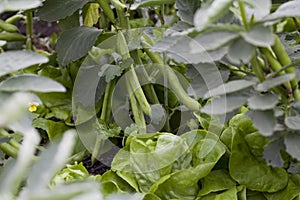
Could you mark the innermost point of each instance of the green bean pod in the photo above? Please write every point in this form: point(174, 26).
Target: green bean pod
point(8, 27)
point(12, 37)
point(107, 10)
point(14, 18)
point(275, 65)
point(134, 81)
point(181, 94)
point(284, 59)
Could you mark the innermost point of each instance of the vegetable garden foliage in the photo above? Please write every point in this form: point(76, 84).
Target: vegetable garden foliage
point(182, 99)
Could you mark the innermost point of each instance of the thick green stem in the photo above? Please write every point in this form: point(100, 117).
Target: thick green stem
point(106, 102)
point(243, 15)
point(104, 117)
point(29, 30)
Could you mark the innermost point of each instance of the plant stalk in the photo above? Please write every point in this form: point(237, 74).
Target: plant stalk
point(29, 30)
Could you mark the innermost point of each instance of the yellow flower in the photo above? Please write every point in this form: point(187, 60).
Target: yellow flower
point(33, 106)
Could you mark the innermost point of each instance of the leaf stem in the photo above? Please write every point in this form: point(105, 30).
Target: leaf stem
point(243, 15)
point(106, 103)
point(29, 30)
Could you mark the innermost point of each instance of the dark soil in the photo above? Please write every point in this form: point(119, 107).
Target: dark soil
point(41, 28)
point(96, 168)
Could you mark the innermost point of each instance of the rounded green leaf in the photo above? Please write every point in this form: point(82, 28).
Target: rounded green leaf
point(215, 39)
point(237, 55)
point(230, 87)
point(15, 60)
point(293, 122)
point(263, 101)
point(224, 104)
point(259, 36)
point(16, 5)
point(31, 82)
point(264, 121)
point(207, 15)
point(288, 9)
point(291, 142)
point(272, 82)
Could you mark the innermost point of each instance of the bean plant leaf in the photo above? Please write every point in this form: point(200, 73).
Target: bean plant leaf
point(264, 121)
point(31, 82)
point(292, 122)
point(75, 43)
point(224, 104)
point(236, 56)
point(259, 36)
point(187, 9)
point(258, 8)
point(205, 76)
point(291, 142)
point(146, 3)
point(209, 14)
point(15, 5)
point(273, 82)
point(229, 87)
point(53, 10)
point(110, 72)
point(187, 50)
point(15, 60)
point(263, 101)
point(214, 40)
point(272, 153)
point(287, 9)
